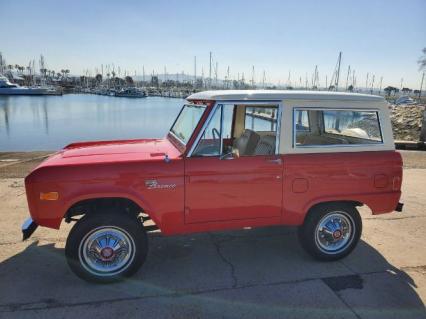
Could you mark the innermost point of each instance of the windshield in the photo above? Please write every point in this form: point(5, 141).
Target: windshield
point(187, 121)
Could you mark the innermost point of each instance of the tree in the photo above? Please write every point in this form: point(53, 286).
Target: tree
point(390, 89)
point(422, 60)
point(129, 80)
point(98, 78)
point(351, 88)
point(406, 90)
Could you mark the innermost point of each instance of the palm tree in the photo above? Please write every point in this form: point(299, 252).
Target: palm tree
point(422, 60)
point(128, 80)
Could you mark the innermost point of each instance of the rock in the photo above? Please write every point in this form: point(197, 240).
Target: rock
point(407, 121)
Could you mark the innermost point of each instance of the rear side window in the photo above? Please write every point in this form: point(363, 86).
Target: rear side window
point(261, 119)
point(336, 127)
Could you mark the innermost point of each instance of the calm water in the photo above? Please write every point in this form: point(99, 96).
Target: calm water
point(50, 122)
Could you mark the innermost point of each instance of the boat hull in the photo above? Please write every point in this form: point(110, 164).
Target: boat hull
point(26, 91)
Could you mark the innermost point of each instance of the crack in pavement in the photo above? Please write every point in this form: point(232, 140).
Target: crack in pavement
point(218, 247)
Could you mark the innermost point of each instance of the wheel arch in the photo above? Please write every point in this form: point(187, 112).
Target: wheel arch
point(313, 206)
point(90, 204)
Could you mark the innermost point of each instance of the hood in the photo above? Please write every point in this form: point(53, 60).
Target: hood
point(114, 151)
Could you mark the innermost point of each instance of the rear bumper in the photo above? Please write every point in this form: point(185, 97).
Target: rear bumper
point(28, 228)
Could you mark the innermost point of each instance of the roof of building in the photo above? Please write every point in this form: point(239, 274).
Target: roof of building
point(281, 95)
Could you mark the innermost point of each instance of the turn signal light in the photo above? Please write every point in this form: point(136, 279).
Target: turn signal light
point(49, 196)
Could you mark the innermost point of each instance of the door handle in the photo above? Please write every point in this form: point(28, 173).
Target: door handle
point(275, 161)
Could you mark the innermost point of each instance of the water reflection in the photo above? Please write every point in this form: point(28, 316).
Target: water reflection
point(50, 122)
point(5, 109)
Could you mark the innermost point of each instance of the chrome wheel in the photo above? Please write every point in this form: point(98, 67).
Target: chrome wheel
point(106, 251)
point(334, 232)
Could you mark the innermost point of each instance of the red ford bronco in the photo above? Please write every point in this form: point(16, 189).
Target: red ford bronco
point(231, 159)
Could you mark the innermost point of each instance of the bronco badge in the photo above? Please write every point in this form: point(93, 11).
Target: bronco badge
point(153, 184)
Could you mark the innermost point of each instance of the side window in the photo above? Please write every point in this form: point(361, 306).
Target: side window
point(217, 132)
point(209, 144)
point(301, 120)
point(336, 127)
point(261, 119)
point(260, 131)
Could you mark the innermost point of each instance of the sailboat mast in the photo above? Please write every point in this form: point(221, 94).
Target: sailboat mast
point(210, 69)
point(339, 61)
point(195, 71)
point(347, 77)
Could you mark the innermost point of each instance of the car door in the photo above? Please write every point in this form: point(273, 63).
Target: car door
point(221, 187)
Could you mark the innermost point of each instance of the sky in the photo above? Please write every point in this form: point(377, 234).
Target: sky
point(384, 38)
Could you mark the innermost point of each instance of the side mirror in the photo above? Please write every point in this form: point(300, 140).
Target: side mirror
point(234, 153)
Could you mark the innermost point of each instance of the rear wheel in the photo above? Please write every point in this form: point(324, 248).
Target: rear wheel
point(106, 247)
point(331, 231)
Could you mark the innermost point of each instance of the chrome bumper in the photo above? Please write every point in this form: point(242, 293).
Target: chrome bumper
point(28, 228)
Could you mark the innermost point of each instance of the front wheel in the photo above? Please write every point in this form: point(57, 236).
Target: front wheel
point(331, 231)
point(106, 247)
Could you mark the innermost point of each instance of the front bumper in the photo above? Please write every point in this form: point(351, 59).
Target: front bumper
point(28, 228)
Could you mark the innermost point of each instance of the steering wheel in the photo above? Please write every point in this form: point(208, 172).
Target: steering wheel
point(215, 133)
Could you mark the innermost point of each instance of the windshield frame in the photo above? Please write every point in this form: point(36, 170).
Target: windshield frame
point(173, 134)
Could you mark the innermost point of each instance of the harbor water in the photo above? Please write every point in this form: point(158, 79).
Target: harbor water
point(29, 123)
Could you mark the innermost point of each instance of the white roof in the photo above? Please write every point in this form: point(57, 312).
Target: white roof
point(221, 95)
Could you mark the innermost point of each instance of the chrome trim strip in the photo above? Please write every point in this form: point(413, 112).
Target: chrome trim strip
point(278, 128)
point(221, 130)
